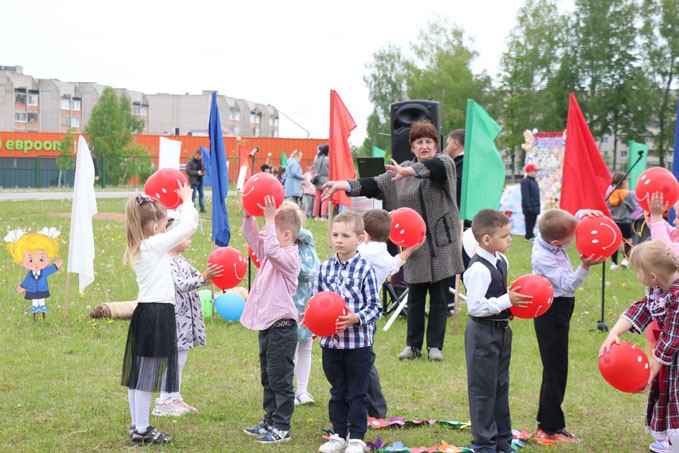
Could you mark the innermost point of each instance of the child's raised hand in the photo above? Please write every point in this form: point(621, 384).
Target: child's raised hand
point(610, 339)
point(58, 262)
point(269, 209)
point(588, 261)
point(657, 206)
point(213, 270)
point(346, 321)
point(590, 213)
point(184, 191)
point(519, 300)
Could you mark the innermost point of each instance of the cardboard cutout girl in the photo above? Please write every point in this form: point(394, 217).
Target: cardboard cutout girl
point(35, 252)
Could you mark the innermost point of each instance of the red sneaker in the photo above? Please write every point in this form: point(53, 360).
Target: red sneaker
point(560, 435)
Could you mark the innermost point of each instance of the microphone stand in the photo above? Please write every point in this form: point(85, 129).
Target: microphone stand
point(601, 324)
point(252, 172)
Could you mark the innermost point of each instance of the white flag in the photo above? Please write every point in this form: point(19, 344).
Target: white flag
point(81, 242)
point(169, 152)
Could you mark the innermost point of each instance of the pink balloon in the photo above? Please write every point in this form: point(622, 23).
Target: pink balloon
point(407, 227)
point(541, 290)
point(162, 186)
point(597, 236)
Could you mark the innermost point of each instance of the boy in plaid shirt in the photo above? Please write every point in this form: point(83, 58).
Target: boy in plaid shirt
point(347, 354)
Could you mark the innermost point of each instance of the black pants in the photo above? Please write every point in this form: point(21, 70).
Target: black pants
point(627, 233)
point(438, 313)
point(377, 405)
point(530, 225)
point(348, 372)
point(277, 347)
point(551, 330)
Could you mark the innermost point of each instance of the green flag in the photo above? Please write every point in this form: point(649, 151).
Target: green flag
point(639, 168)
point(483, 173)
point(284, 159)
point(378, 152)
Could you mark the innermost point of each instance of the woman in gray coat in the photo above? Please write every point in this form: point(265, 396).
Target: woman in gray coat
point(426, 185)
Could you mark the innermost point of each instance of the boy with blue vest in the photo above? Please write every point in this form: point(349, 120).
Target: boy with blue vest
point(488, 338)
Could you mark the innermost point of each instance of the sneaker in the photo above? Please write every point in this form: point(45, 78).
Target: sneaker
point(355, 446)
point(624, 263)
point(335, 444)
point(409, 353)
point(169, 407)
point(304, 398)
point(660, 446)
point(614, 266)
point(184, 405)
point(561, 435)
point(435, 354)
point(274, 436)
point(150, 436)
point(258, 430)
point(34, 309)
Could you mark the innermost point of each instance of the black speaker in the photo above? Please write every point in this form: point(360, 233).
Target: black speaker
point(403, 115)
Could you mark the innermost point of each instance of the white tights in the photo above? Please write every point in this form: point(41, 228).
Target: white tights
point(303, 365)
point(140, 406)
point(182, 357)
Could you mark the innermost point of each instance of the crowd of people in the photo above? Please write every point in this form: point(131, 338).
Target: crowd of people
point(166, 322)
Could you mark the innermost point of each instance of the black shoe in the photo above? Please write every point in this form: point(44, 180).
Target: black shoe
point(150, 436)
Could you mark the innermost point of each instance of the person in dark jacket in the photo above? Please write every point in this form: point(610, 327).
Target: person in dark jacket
point(195, 168)
point(530, 199)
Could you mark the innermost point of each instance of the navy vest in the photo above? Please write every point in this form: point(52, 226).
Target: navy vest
point(498, 283)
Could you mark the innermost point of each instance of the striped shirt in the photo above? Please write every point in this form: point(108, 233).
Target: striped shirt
point(355, 281)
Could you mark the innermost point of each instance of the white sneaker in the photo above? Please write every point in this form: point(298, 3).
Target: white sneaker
point(355, 446)
point(170, 408)
point(624, 263)
point(614, 266)
point(304, 398)
point(335, 444)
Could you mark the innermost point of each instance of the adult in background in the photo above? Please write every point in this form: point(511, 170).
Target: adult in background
point(195, 168)
point(294, 178)
point(622, 203)
point(530, 199)
point(320, 178)
point(428, 186)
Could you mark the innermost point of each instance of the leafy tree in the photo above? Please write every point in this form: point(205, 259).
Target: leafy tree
point(65, 160)
point(110, 129)
point(660, 45)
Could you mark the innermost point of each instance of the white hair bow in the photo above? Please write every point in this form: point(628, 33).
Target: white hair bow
point(14, 235)
point(50, 232)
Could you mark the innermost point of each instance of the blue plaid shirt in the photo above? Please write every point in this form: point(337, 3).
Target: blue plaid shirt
point(355, 281)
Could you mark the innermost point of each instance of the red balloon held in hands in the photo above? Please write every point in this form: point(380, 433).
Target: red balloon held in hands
point(253, 257)
point(162, 186)
point(597, 236)
point(322, 311)
point(407, 227)
point(234, 267)
point(625, 366)
point(657, 179)
point(541, 290)
point(259, 186)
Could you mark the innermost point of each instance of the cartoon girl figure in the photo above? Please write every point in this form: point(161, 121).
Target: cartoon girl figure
point(35, 252)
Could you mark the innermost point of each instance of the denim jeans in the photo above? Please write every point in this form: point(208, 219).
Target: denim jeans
point(198, 188)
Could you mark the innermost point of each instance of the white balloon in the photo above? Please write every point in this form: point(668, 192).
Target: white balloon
point(469, 243)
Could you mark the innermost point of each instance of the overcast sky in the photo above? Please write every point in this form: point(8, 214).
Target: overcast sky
point(287, 54)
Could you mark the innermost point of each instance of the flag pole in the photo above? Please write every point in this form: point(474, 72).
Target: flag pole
point(458, 282)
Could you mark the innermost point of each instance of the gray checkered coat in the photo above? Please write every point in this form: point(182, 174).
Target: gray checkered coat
point(432, 194)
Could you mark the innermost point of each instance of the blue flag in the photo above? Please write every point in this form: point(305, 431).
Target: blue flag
point(205, 154)
point(221, 233)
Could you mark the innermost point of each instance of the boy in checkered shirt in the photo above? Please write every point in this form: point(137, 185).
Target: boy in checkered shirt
point(347, 354)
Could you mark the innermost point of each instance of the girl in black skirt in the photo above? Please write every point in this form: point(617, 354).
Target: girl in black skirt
point(151, 348)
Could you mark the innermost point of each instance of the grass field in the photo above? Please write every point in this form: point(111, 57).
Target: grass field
point(59, 380)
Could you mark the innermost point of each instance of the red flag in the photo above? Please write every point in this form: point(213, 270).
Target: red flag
point(243, 154)
point(585, 175)
point(340, 160)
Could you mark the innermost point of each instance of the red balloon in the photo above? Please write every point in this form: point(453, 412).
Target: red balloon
point(598, 236)
point(407, 227)
point(162, 186)
point(259, 186)
point(657, 179)
point(625, 366)
point(253, 257)
point(233, 264)
point(541, 290)
point(322, 311)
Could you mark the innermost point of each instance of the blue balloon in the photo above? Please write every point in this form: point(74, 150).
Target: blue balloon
point(229, 306)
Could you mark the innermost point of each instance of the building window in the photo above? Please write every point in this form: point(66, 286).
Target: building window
point(273, 121)
point(255, 118)
point(33, 99)
point(20, 117)
point(65, 121)
point(234, 129)
point(234, 114)
point(20, 98)
point(33, 118)
point(624, 153)
point(144, 110)
point(75, 105)
point(255, 131)
point(65, 104)
point(75, 121)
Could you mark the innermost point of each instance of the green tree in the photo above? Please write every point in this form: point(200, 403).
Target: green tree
point(66, 160)
point(110, 129)
point(660, 46)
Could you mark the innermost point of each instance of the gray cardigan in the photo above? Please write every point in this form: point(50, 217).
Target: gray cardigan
point(431, 192)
